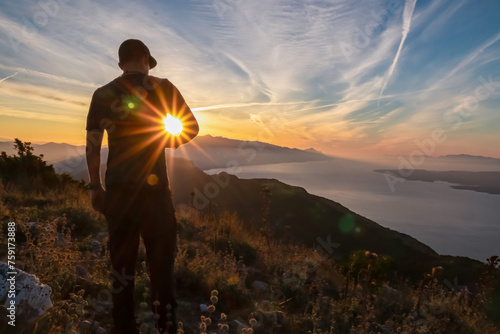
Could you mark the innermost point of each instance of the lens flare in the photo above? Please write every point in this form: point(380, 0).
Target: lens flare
point(173, 125)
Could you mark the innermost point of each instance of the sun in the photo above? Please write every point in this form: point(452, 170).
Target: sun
point(173, 125)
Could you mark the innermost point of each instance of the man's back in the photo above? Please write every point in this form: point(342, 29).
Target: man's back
point(132, 108)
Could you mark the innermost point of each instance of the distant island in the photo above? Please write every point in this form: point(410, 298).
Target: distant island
point(485, 182)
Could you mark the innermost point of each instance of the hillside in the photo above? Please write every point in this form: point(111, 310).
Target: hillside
point(297, 216)
point(255, 256)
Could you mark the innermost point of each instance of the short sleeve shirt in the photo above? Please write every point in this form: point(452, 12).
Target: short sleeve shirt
point(131, 109)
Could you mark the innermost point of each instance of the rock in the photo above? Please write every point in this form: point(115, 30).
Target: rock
point(203, 308)
point(95, 247)
point(236, 326)
point(32, 297)
point(87, 327)
point(275, 317)
point(260, 287)
point(253, 274)
point(390, 291)
point(81, 272)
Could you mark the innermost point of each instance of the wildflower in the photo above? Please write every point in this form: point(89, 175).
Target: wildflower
point(224, 327)
point(223, 316)
point(436, 271)
point(211, 309)
point(208, 321)
point(214, 299)
point(214, 293)
point(252, 321)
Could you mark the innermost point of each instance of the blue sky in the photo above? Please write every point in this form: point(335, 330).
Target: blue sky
point(345, 77)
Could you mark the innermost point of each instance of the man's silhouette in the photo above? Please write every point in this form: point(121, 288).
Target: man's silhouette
point(137, 199)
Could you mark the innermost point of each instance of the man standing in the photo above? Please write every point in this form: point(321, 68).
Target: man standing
point(137, 199)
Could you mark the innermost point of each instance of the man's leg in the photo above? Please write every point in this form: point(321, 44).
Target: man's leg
point(161, 256)
point(160, 237)
point(123, 247)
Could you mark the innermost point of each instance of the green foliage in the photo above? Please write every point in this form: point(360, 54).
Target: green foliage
point(81, 221)
point(29, 171)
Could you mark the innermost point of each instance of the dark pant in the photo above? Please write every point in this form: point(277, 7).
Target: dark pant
point(150, 213)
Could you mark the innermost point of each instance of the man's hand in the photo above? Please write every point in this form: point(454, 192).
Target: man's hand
point(93, 151)
point(97, 199)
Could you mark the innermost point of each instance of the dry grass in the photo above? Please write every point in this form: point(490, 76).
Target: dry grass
point(306, 293)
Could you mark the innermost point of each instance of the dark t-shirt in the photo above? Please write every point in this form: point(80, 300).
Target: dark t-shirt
point(131, 109)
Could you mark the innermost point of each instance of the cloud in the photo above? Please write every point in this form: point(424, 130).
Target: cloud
point(38, 93)
point(236, 60)
point(471, 56)
point(48, 76)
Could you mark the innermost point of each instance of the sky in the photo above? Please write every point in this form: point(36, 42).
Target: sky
point(350, 78)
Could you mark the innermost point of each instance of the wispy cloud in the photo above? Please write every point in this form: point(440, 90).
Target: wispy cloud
point(473, 55)
point(241, 61)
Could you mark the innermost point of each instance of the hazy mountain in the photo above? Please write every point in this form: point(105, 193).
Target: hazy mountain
point(208, 152)
point(52, 152)
point(312, 150)
point(468, 157)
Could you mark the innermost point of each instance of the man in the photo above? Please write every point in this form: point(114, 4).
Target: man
point(137, 199)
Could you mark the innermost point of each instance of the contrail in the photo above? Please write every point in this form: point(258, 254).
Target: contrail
point(10, 76)
point(407, 14)
point(251, 104)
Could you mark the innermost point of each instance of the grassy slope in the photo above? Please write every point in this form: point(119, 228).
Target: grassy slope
point(295, 215)
point(215, 252)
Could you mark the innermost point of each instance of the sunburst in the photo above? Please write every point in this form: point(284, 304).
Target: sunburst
point(173, 125)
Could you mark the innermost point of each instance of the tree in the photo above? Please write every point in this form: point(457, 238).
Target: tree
point(26, 169)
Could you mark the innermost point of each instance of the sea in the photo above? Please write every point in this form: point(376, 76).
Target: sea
point(450, 221)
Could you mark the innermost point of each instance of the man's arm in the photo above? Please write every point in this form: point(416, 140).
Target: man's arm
point(93, 152)
point(182, 112)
